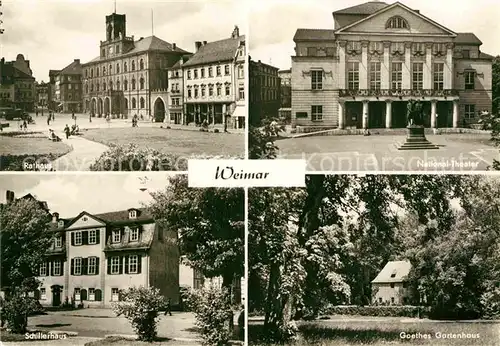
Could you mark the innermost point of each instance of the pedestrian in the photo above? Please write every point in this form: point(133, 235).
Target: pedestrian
point(168, 308)
point(66, 131)
point(73, 115)
point(36, 112)
point(90, 118)
point(25, 125)
point(48, 119)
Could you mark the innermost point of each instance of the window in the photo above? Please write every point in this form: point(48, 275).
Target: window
point(133, 264)
point(69, 86)
point(469, 80)
point(439, 48)
point(141, 83)
point(218, 71)
point(210, 90)
point(438, 76)
point(241, 72)
point(56, 268)
point(397, 23)
point(203, 91)
point(104, 70)
point(92, 236)
point(353, 75)
point(312, 51)
point(125, 66)
point(58, 241)
point(189, 74)
point(226, 70)
point(114, 294)
point(77, 294)
point(117, 68)
point(43, 269)
point(78, 238)
point(353, 46)
point(134, 103)
point(392, 284)
point(466, 53)
point(133, 83)
point(241, 92)
point(103, 86)
point(392, 300)
point(134, 234)
point(470, 111)
point(97, 72)
point(115, 265)
point(316, 113)
point(77, 266)
point(195, 92)
point(189, 93)
point(417, 47)
point(133, 65)
point(141, 64)
point(195, 73)
point(202, 72)
point(330, 51)
point(92, 266)
point(417, 76)
point(380, 299)
point(43, 293)
point(198, 279)
point(92, 294)
point(142, 103)
point(110, 85)
point(228, 90)
point(219, 90)
point(116, 234)
point(125, 84)
point(375, 75)
point(397, 76)
point(210, 72)
point(316, 80)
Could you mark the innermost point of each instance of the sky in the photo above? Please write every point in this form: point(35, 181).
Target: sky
point(52, 33)
point(272, 23)
point(70, 194)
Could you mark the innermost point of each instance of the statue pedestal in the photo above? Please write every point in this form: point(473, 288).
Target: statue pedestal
point(415, 140)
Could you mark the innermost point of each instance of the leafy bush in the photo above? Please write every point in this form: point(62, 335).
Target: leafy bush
point(213, 313)
point(16, 310)
point(382, 311)
point(140, 306)
point(490, 301)
point(261, 140)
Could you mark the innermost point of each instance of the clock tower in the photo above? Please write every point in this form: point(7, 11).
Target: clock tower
point(117, 42)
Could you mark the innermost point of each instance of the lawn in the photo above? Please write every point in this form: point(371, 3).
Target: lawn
point(171, 141)
point(119, 341)
point(388, 331)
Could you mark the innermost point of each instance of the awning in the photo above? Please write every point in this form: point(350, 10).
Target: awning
point(239, 112)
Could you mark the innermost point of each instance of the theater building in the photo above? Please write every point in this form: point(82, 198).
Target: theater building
point(129, 77)
point(379, 56)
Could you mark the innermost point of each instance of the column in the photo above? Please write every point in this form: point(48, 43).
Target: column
point(428, 66)
point(223, 114)
point(448, 68)
point(363, 71)
point(455, 113)
point(407, 67)
point(341, 115)
point(386, 67)
point(365, 114)
point(388, 114)
point(433, 113)
point(342, 65)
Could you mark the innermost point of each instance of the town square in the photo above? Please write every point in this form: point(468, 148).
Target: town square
point(110, 94)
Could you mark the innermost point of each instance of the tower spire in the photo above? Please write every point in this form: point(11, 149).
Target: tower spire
point(115, 7)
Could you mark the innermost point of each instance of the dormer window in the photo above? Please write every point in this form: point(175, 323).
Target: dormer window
point(132, 214)
point(134, 234)
point(116, 236)
point(397, 22)
point(60, 223)
point(58, 241)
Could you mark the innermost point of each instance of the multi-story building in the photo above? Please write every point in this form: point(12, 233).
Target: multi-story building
point(52, 83)
point(390, 286)
point(68, 88)
point(264, 92)
point(362, 73)
point(176, 93)
point(17, 84)
point(43, 94)
point(285, 111)
point(214, 83)
point(129, 77)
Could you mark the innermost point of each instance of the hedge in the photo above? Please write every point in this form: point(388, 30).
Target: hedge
point(382, 311)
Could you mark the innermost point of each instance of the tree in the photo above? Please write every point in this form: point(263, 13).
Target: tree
point(25, 239)
point(261, 140)
point(211, 228)
point(495, 71)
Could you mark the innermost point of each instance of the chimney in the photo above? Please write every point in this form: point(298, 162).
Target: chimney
point(197, 45)
point(77, 60)
point(204, 43)
point(236, 32)
point(10, 196)
point(174, 46)
point(55, 217)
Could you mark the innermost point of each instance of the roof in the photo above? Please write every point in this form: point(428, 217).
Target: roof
point(144, 242)
point(365, 8)
point(122, 216)
point(222, 50)
point(74, 68)
point(394, 271)
point(486, 56)
point(467, 38)
point(314, 35)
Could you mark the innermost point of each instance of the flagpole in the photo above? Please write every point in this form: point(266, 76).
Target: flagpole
point(152, 23)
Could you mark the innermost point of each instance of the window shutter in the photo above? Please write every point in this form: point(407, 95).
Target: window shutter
point(61, 272)
point(73, 238)
point(109, 265)
point(120, 270)
point(98, 295)
point(97, 236)
point(85, 266)
point(72, 266)
point(126, 264)
point(51, 267)
point(97, 266)
point(85, 237)
point(83, 294)
point(139, 264)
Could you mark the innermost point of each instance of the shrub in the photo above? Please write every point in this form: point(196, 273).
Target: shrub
point(490, 301)
point(17, 309)
point(140, 306)
point(379, 310)
point(216, 131)
point(213, 312)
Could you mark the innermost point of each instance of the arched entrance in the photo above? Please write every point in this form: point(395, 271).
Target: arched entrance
point(99, 107)
point(106, 106)
point(125, 106)
point(159, 109)
point(56, 295)
point(93, 107)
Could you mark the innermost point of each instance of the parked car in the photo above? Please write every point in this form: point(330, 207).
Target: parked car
point(11, 114)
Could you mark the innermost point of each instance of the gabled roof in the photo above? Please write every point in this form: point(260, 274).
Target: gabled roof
point(393, 271)
point(467, 38)
point(486, 56)
point(386, 8)
point(74, 68)
point(154, 43)
point(117, 217)
point(222, 50)
point(366, 8)
point(314, 35)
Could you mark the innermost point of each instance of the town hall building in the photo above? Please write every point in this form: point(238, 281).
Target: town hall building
point(379, 56)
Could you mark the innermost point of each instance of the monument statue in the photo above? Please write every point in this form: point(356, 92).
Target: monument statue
point(414, 113)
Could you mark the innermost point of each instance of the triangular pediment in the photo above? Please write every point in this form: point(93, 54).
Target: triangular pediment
point(85, 220)
point(377, 23)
